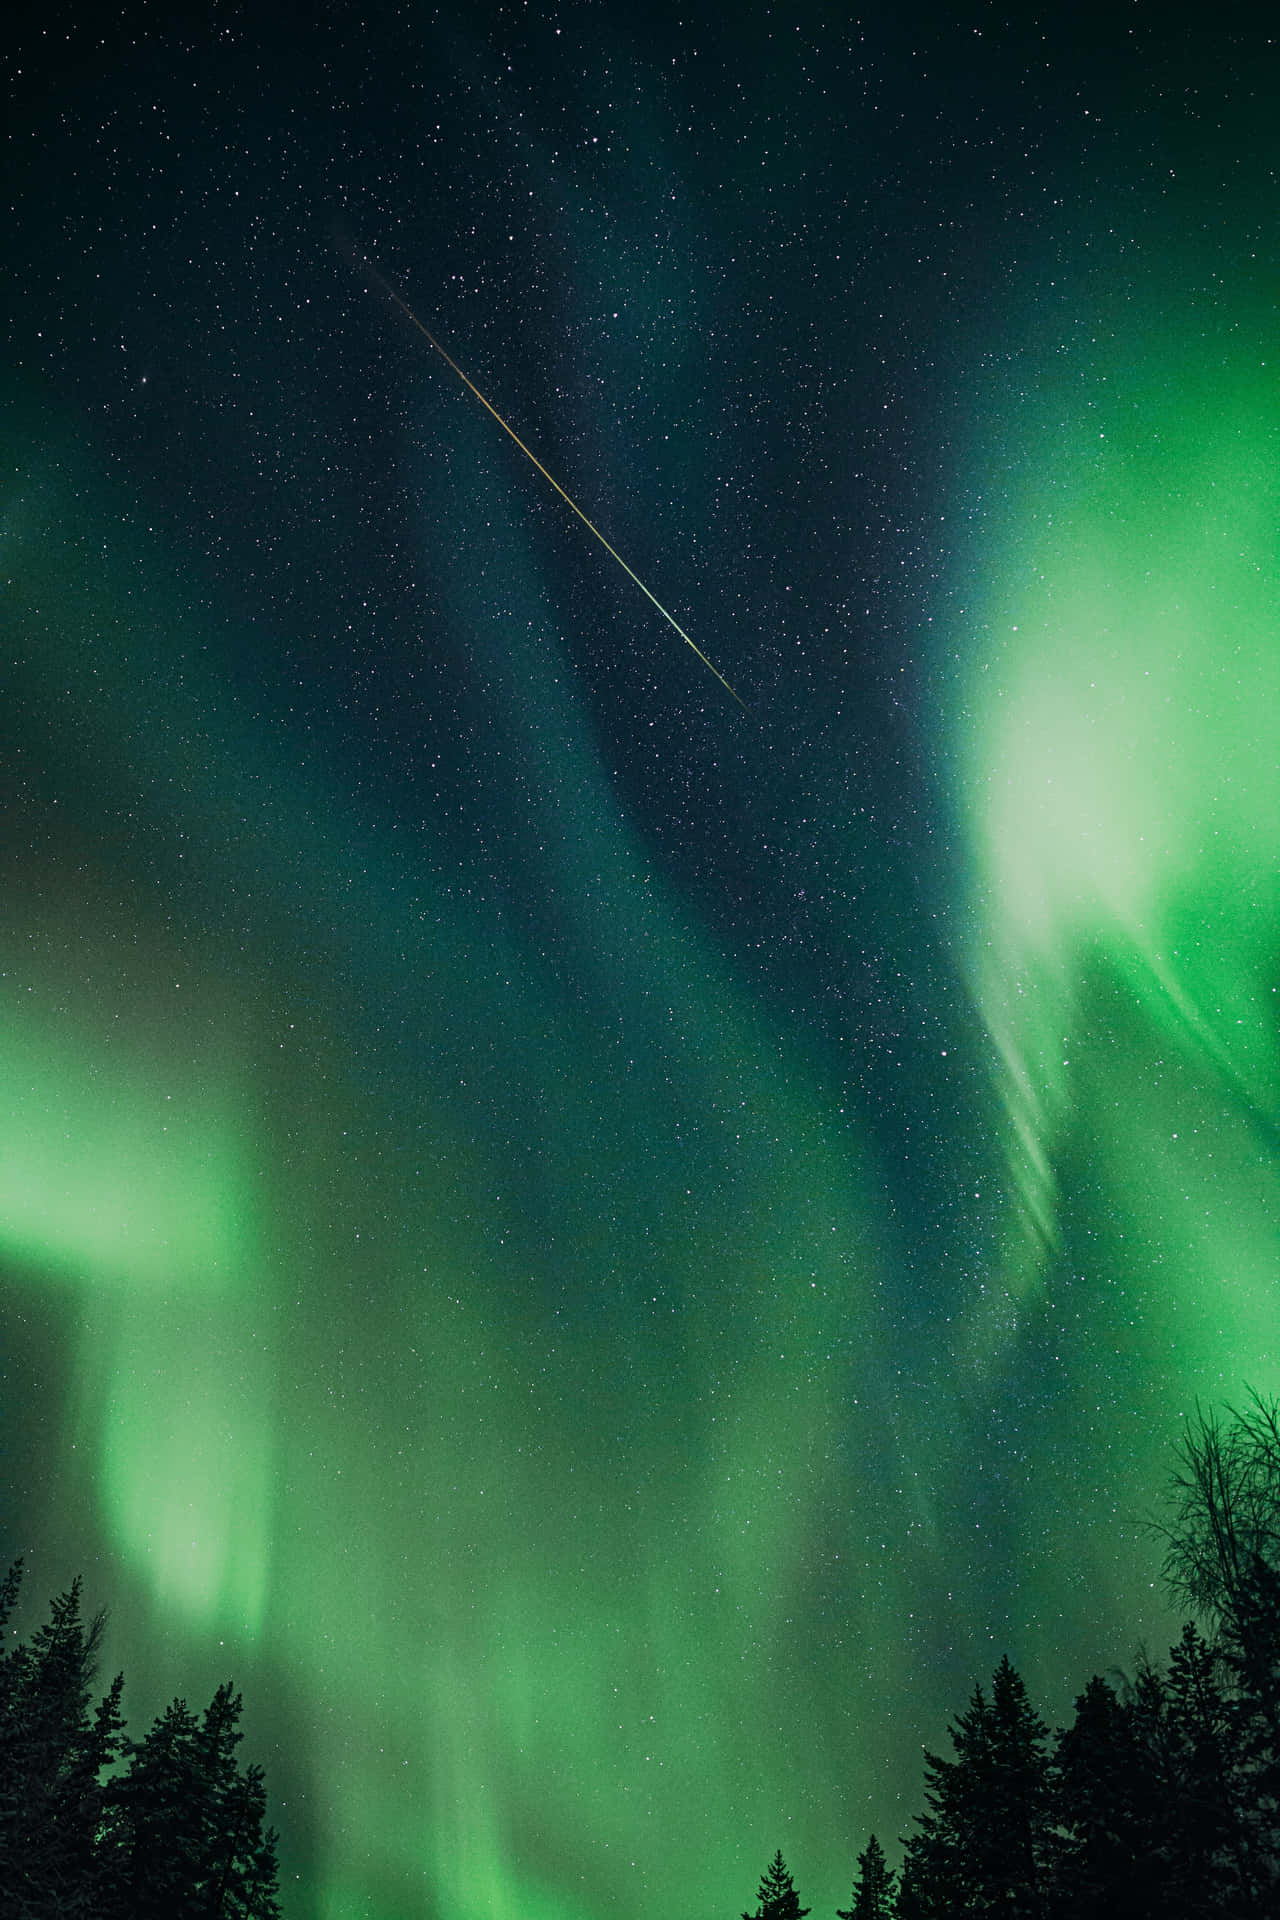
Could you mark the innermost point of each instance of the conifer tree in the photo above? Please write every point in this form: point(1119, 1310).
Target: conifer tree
point(915, 1899)
point(777, 1897)
point(1104, 1806)
point(1148, 1797)
point(985, 1846)
point(1250, 1654)
point(178, 1835)
point(240, 1857)
point(52, 1753)
point(189, 1823)
point(1210, 1871)
point(873, 1888)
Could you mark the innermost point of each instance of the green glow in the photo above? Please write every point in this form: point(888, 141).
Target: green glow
point(114, 1162)
point(500, 1345)
point(1117, 753)
point(124, 1173)
point(501, 1474)
point(186, 1456)
point(559, 1653)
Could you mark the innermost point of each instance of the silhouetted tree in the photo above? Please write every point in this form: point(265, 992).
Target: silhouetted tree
point(873, 1888)
point(915, 1899)
point(178, 1835)
point(1208, 1848)
point(1163, 1800)
point(52, 1753)
point(777, 1897)
point(1223, 1502)
point(1111, 1812)
point(189, 1824)
point(1250, 1652)
point(1222, 1554)
point(985, 1846)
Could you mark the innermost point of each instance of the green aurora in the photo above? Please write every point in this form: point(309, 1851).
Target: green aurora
point(458, 1292)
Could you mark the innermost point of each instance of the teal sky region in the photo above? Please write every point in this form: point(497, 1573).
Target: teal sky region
point(603, 1256)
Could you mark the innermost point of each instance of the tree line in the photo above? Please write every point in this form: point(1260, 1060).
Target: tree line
point(97, 1826)
point(1161, 1799)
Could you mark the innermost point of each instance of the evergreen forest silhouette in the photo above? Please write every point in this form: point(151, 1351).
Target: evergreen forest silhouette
point(96, 1826)
point(1160, 1801)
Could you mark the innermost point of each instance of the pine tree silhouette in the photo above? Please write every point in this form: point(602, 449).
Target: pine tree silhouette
point(986, 1843)
point(777, 1897)
point(873, 1888)
point(178, 1835)
point(52, 1752)
point(189, 1823)
point(1110, 1812)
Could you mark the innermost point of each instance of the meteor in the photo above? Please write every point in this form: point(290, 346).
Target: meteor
point(410, 315)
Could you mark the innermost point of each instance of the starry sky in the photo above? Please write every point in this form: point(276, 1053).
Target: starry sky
point(605, 1255)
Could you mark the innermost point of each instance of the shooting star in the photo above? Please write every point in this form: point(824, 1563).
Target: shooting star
point(410, 315)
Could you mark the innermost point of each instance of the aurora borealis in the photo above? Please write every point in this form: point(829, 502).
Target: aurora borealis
point(605, 1257)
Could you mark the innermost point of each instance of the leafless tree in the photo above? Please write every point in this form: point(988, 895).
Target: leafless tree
point(1223, 1506)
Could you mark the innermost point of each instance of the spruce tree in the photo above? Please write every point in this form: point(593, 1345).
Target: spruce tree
point(1250, 1654)
point(179, 1835)
point(1208, 1847)
point(1166, 1801)
point(915, 1900)
point(873, 1888)
point(777, 1897)
point(985, 1846)
point(189, 1823)
point(1109, 1861)
point(240, 1857)
point(52, 1754)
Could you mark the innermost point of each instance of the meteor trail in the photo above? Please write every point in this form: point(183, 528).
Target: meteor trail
point(409, 314)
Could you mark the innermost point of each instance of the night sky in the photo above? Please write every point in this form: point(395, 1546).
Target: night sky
point(602, 1255)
